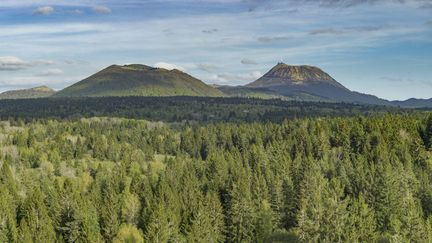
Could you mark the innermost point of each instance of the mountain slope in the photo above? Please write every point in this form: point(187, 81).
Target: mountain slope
point(293, 80)
point(264, 93)
point(283, 74)
point(138, 80)
point(36, 92)
point(414, 103)
point(242, 91)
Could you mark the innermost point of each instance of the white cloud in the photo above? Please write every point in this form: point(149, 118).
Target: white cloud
point(206, 67)
point(46, 10)
point(50, 72)
point(27, 3)
point(247, 61)
point(102, 10)
point(43, 62)
point(75, 62)
point(10, 63)
point(268, 39)
point(28, 81)
point(210, 31)
point(38, 30)
point(75, 11)
point(168, 66)
point(235, 78)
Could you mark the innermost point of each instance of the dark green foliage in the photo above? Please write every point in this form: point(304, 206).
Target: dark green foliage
point(359, 179)
point(8, 227)
point(33, 217)
point(242, 91)
point(426, 133)
point(182, 109)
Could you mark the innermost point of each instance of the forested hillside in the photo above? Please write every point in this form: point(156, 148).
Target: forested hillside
point(360, 179)
point(179, 109)
point(32, 93)
point(138, 80)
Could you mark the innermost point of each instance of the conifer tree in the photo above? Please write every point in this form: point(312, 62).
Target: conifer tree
point(109, 214)
point(361, 221)
point(207, 223)
point(241, 214)
point(322, 214)
point(8, 227)
point(128, 234)
point(161, 226)
point(34, 218)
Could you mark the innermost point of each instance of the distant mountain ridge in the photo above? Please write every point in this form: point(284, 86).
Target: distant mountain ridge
point(287, 82)
point(414, 103)
point(139, 80)
point(36, 92)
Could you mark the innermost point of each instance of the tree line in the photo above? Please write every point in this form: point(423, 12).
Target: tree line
point(179, 109)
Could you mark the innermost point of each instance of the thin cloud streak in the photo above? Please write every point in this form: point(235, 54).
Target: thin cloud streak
point(102, 10)
point(50, 72)
point(47, 10)
point(11, 63)
point(247, 61)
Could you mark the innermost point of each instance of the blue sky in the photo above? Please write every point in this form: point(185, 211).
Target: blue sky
point(380, 47)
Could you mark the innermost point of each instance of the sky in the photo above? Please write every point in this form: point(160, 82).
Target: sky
point(379, 47)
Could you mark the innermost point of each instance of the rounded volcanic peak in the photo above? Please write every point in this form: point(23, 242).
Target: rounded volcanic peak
point(124, 68)
point(283, 74)
point(138, 80)
point(298, 73)
point(137, 68)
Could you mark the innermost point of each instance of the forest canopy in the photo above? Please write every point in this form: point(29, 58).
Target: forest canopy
point(352, 179)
